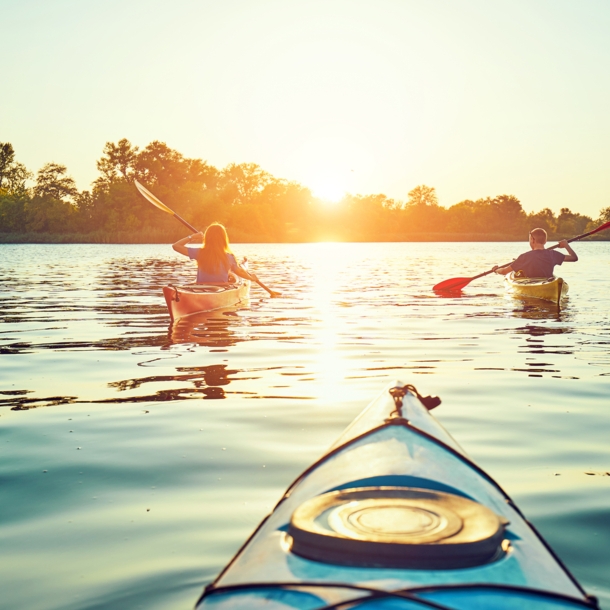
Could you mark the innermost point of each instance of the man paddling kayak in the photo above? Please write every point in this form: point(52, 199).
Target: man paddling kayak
point(539, 261)
point(214, 258)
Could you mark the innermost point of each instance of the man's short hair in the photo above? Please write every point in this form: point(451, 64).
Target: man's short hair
point(538, 235)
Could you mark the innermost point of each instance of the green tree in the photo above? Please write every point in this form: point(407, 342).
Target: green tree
point(14, 195)
point(117, 162)
point(52, 182)
point(604, 215)
point(369, 216)
point(48, 215)
point(545, 219)
point(241, 183)
point(7, 158)
point(506, 215)
point(186, 185)
point(114, 204)
point(422, 213)
point(13, 175)
point(51, 209)
point(570, 223)
point(12, 211)
point(464, 217)
point(285, 210)
point(422, 195)
point(160, 165)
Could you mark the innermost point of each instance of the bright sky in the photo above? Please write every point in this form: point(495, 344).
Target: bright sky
point(474, 97)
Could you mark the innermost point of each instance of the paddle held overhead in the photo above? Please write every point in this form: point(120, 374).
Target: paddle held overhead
point(159, 204)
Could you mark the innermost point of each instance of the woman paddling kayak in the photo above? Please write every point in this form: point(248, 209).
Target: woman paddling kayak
point(214, 258)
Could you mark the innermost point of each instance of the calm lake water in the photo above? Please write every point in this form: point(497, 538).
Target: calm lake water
point(136, 457)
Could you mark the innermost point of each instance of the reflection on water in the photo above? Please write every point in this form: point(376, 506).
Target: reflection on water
point(204, 382)
point(19, 400)
point(537, 309)
point(346, 302)
point(218, 330)
point(129, 397)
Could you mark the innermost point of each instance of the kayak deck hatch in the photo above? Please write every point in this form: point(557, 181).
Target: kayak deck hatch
point(396, 527)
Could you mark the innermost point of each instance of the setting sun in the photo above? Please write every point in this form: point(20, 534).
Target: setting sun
point(328, 189)
point(330, 166)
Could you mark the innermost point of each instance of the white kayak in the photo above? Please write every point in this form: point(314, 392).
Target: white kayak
point(395, 516)
point(183, 301)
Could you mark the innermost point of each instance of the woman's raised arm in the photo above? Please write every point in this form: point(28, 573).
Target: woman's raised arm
point(180, 245)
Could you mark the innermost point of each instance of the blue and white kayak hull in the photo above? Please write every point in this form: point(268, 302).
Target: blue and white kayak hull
point(395, 515)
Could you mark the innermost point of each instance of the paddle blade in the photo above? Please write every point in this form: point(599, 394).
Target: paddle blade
point(454, 284)
point(150, 197)
point(603, 227)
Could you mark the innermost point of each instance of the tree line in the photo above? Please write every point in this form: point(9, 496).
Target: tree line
point(250, 202)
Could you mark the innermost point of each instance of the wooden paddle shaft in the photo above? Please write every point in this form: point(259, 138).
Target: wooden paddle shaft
point(186, 223)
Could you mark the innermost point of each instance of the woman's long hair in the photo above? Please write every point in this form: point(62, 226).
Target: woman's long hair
point(213, 255)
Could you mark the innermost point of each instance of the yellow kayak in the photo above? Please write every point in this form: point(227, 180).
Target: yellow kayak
point(546, 288)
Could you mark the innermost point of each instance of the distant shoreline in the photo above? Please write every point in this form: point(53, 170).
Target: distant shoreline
point(236, 237)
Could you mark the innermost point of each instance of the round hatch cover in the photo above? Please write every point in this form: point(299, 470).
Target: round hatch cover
point(396, 527)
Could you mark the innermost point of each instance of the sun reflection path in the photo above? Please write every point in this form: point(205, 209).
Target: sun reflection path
point(328, 263)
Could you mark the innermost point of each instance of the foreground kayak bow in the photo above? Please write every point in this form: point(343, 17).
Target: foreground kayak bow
point(395, 516)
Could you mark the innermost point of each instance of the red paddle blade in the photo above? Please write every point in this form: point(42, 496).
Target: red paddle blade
point(455, 283)
point(603, 227)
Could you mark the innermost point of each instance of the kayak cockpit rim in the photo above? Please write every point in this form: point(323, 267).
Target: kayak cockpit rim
point(205, 287)
point(412, 594)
